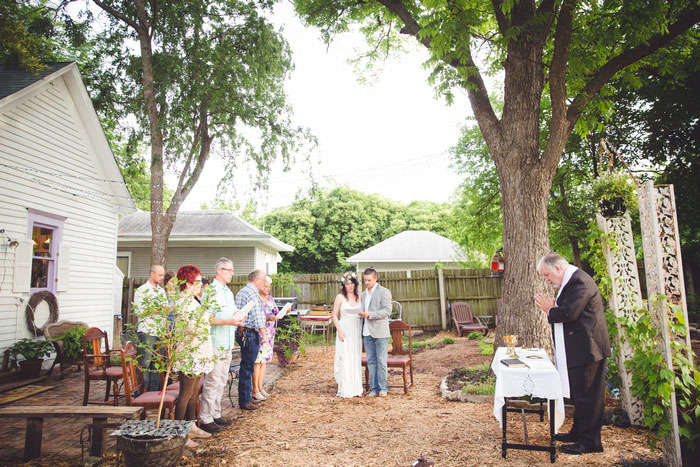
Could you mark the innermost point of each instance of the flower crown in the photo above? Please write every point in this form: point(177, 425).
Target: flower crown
point(347, 276)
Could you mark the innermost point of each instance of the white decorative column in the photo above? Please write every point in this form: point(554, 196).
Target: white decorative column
point(664, 271)
point(625, 299)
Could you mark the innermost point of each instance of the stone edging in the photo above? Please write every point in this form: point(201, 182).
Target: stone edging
point(462, 396)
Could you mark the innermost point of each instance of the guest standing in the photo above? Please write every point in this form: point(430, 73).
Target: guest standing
point(223, 335)
point(146, 328)
point(249, 336)
point(265, 353)
point(198, 357)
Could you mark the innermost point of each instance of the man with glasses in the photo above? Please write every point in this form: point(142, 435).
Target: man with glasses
point(249, 336)
point(223, 336)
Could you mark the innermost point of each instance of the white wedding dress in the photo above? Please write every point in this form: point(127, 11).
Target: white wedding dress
point(348, 354)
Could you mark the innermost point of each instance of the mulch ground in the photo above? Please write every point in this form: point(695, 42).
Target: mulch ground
point(304, 424)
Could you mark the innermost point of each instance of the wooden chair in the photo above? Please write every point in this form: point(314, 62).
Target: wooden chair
point(97, 364)
point(133, 385)
point(465, 320)
point(399, 357)
point(54, 330)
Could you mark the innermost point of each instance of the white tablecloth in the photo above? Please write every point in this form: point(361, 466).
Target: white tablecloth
point(537, 382)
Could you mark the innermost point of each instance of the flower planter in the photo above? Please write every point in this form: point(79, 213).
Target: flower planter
point(142, 445)
point(29, 369)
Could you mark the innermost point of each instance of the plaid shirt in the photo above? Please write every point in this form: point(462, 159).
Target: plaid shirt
point(256, 316)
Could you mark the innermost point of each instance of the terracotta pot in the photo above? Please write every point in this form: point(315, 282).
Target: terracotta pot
point(30, 368)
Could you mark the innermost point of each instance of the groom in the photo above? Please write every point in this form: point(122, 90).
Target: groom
point(376, 308)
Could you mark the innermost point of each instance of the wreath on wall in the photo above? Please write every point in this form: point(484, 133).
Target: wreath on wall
point(34, 301)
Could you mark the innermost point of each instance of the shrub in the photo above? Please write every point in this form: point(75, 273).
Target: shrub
point(475, 335)
point(448, 340)
point(486, 348)
point(31, 349)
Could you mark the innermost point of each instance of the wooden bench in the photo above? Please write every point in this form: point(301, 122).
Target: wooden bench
point(35, 421)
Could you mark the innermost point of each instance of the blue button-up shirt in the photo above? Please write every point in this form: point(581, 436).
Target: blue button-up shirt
point(256, 316)
point(223, 335)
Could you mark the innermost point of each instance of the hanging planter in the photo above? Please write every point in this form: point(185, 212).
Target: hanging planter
point(614, 190)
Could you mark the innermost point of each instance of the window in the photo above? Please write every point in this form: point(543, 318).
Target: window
point(45, 233)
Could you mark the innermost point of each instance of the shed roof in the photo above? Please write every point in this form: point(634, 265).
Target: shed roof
point(13, 79)
point(199, 224)
point(411, 246)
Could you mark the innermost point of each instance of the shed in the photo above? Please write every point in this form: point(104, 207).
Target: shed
point(200, 238)
point(409, 250)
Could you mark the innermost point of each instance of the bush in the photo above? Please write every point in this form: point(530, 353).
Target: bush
point(448, 340)
point(475, 335)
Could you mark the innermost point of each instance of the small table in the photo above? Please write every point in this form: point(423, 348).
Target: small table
point(321, 322)
point(541, 380)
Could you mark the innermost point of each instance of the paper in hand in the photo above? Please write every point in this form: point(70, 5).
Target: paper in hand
point(243, 312)
point(284, 311)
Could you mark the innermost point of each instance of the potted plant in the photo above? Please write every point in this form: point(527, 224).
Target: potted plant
point(616, 193)
point(34, 352)
point(290, 342)
point(156, 442)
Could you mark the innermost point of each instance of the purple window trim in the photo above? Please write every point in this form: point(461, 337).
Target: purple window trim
point(49, 221)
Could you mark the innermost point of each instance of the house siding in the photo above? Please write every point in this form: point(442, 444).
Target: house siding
point(202, 257)
point(42, 135)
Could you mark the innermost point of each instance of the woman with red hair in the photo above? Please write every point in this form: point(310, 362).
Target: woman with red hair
point(197, 355)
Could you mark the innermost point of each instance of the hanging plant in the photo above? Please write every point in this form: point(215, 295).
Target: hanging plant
point(615, 191)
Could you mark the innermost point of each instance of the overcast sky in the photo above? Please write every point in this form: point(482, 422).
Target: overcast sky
point(389, 136)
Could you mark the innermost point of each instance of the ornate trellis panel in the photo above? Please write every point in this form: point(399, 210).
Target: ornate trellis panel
point(625, 299)
point(664, 272)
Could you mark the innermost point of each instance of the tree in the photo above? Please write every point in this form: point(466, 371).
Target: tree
point(203, 76)
point(561, 51)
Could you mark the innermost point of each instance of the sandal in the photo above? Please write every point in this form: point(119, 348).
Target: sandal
point(191, 444)
point(264, 393)
point(196, 432)
point(259, 397)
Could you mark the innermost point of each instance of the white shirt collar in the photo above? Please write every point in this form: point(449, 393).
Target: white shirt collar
point(570, 270)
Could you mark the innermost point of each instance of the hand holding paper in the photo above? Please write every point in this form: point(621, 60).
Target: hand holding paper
point(242, 314)
point(283, 311)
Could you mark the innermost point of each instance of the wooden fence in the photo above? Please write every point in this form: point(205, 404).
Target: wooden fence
point(419, 292)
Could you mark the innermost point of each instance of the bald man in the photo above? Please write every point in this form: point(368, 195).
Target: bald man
point(145, 331)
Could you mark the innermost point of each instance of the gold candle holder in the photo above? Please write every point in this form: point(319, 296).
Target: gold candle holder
point(511, 341)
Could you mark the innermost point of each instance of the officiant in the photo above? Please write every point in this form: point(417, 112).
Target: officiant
point(223, 336)
point(581, 348)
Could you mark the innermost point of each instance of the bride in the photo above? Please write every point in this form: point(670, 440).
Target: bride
point(348, 342)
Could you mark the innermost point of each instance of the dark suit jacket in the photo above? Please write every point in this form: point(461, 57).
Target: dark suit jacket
point(580, 308)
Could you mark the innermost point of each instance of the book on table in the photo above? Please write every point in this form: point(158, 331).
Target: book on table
point(513, 363)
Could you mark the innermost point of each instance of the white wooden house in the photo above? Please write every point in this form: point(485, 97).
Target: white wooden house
point(199, 238)
point(62, 194)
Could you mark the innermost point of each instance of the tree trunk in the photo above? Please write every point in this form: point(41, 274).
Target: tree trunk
point(525, 241)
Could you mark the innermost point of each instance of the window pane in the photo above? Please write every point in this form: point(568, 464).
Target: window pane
point(42, 241)
point(40, 273)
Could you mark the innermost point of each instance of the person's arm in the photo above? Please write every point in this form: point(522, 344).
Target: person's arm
point(384, 310)
point(336, 316)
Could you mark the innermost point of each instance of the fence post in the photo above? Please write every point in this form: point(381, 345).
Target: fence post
point(443, 299)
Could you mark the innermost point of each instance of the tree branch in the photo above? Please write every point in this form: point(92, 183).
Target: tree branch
point(117, 15)
point(626, 58)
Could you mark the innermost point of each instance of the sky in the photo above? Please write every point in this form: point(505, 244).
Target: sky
point(389, 136)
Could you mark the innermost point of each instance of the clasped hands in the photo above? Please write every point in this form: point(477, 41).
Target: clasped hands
point(543, 302)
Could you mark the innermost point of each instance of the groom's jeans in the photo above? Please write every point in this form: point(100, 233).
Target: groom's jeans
point(376, 350)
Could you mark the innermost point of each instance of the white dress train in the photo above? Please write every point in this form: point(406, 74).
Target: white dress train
point(348, 354)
